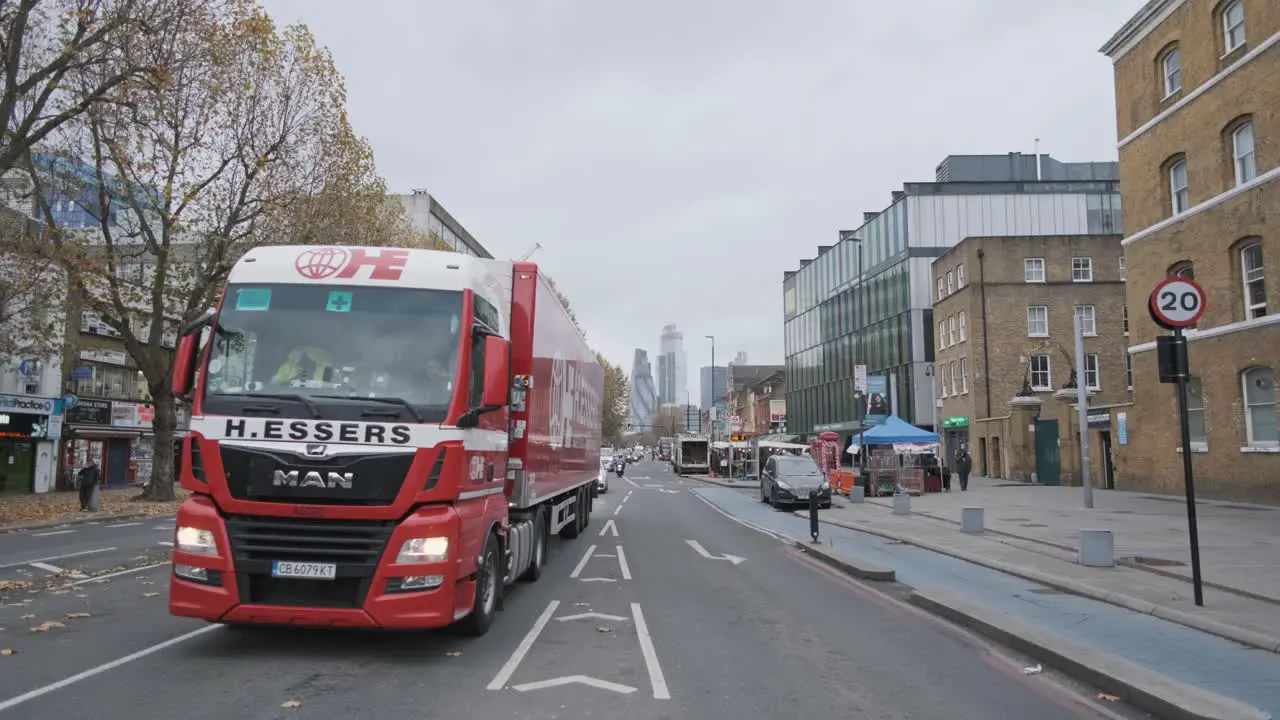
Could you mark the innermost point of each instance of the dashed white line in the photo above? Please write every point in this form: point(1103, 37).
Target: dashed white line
point(656, 678)
point(597, 580)
point(120, 525)
point(52, 532)
point(586, 557)
point(47, 568)
point(100, 578)
point(58, 557)
point(166, 543)
point(622, 564)
point(630, 481)
point(91, 672)
point(517, 656)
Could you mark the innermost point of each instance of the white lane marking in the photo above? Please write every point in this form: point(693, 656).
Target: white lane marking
point(118, 525)
point(622, 564)
point(617, 510)
point(163, 527)
point(656, 678)
point(91, 672)
point(643, 477)
point(669, 492)
point(585, 615)
point(57, 570)
point(586, 557)
point(596, 580)
point(745, 523)
point(166, 543)
point(608, 555)
point(53, 532)
point(703, 552)
point(58, 557)
point(609, 525)
point(100, 578)
point(628, 495)
point(517, 656)
point(579, 679)
point(630, 481)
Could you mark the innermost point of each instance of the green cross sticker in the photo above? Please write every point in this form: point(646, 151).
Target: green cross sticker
point(339, 301)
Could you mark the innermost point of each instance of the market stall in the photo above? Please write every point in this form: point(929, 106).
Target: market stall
point(894, 456)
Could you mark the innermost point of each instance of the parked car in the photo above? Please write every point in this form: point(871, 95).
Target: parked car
point(788, 479)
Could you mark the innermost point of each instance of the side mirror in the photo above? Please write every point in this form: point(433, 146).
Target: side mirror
point(184, 364)
point(497, 372)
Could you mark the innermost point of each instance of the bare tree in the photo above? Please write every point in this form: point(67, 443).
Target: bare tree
point(668, 421)
point(229, 146)
point(32, 292)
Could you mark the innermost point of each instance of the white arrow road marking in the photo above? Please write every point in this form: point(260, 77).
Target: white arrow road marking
point(579, 679)
point(703, 552)
point(582, 564)
point(622, 564)
point(596, 580)
point(656, 678)
point(609, 526)
point(517, 656)
point(599, 616)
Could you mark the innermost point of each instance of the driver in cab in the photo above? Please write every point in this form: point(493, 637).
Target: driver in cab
point(304, 366)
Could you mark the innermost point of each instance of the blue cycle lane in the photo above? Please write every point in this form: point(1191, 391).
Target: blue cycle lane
point(1190, 656)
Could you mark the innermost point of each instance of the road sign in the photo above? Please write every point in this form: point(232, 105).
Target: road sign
point(1177, 303)
point(735, 420)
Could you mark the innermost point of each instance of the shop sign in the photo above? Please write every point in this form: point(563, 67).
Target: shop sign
point(26, 404)
point(955, 422)
point(132, 415)
point(1099, 420)
point(110, 357)
point(777, 411)
point(24, 425)
point(90, 412)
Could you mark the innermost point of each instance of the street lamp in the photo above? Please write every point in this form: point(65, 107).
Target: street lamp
point(713, 411)
point(933, 395)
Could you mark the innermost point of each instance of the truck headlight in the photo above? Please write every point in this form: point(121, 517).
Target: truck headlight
point(195, 540)
point(419, 550)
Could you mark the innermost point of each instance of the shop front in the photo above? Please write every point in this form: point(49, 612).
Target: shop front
point(116, 435)
point(29, 428)
point(955, 434)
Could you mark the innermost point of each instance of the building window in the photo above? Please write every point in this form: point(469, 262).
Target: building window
point(1088, 316)
point(1255, 289)
point(1195, 413)
point(960, 281)
point(1122, 267)
point(955, 379)
point(1128, 371)
point(1033, 270)
point(1260, 407)
point(1037, 321)
point(942, 335)
point(1124, 318)
point(951, 282)
point(1041, 373)
point(1233, 25)
point(942, 385)
point(951, 333)
point(1178, 191)
point(964, 375)
point(1092, 380)
point(941, 287)
point(964, 334)
point(1171, 67)
point(1081, 269)
point(1243, 157)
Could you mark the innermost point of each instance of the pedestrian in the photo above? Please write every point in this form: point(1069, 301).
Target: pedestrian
point(946, 477)
point(87, 481)
point(964, 465)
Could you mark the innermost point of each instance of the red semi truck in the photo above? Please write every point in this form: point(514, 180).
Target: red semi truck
point(379, 438)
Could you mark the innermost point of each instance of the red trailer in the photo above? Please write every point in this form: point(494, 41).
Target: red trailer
point(379, 438)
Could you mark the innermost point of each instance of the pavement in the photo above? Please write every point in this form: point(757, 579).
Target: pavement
point(677, 602)
point(20, 513)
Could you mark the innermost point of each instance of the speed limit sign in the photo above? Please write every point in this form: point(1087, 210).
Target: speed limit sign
point(1177, 303)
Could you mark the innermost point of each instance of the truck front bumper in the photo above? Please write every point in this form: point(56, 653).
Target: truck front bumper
point(236, 585)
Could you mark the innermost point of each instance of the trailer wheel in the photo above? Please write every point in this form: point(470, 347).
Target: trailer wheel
point(573, 529)
point(488, 585)
point(534, 571)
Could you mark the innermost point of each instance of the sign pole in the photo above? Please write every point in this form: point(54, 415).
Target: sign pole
point(1175, 304)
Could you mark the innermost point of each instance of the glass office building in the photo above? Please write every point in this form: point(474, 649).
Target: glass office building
point(866, 300)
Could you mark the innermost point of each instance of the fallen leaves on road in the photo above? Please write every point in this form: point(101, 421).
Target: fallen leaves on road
point(291, 704)
point(604, 629)
point(27, 617)
point(454, 653)
point(48, 625)
point(8, 651)
point(14, 584)
point(1108, 697)
point(60, 507)
point(76, 616)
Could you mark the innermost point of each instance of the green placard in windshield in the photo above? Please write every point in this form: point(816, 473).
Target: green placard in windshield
point(339, 301)
point(253, 299)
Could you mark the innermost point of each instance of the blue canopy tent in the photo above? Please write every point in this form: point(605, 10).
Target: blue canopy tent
point(895, 430)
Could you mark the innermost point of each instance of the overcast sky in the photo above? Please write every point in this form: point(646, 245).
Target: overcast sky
point(674, 157)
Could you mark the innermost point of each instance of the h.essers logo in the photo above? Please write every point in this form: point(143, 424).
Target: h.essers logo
point(311, 478)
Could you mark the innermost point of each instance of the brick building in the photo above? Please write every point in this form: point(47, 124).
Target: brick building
point(1004, 312)
point(1198, 117)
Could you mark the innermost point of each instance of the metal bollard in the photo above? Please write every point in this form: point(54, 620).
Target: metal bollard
point(813, 515)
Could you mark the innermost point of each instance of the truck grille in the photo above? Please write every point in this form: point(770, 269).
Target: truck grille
point(374, 479)
point(354, 546)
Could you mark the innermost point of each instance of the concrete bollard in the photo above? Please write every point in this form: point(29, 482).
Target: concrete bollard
point(972, 520)
point(95, 498)
point(857, 494)
point(1097, 548)
point(901, 504)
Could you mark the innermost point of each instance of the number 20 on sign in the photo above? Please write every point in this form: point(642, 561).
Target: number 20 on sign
point(1177, 303)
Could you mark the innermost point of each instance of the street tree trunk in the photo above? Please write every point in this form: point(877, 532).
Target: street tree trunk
point(164, 425)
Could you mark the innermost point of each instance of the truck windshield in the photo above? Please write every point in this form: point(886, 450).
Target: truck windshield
point(327, 343)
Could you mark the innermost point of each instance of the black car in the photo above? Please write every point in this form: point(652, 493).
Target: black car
point(788, 479)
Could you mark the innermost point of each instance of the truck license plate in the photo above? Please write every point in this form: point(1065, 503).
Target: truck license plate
point(309, 571)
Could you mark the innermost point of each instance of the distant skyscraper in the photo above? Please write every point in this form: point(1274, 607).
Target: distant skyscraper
point(644, 397)
point(712, 385)
point(740, 359)
point(673, 384)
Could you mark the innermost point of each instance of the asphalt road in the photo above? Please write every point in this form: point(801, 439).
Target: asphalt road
point(642, 617)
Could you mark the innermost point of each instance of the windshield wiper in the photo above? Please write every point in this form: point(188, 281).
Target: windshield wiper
point(303, 399)
point(385, 400)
